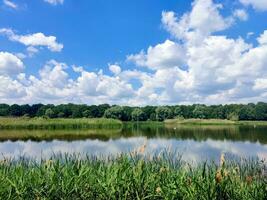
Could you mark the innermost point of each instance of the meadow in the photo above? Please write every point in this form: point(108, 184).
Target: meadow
point(59, 123)
point(132, 176)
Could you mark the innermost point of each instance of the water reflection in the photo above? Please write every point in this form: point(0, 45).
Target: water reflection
point(195, 143)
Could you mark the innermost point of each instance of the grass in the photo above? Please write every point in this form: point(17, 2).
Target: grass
point(131, 177)
point(214, 122)
point(42, 123)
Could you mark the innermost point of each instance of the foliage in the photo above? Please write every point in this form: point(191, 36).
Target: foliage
point(50, 113)
point(163, 112)
point(135, 177)
point(199, 112)
point(138, 115)
point(153, 113)
point(115, 112)
point(233, 116)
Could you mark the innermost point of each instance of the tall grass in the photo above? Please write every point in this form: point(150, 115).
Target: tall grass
point(43, 123)
point(134, 177)
point(214, 122)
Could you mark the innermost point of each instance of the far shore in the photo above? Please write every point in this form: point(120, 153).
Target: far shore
point(213, 122)
point(40, 123)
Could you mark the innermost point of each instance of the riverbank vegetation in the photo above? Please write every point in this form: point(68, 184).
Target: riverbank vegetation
point(135, 177)
point(46, 123)
point(234, 112)
point(213, 122)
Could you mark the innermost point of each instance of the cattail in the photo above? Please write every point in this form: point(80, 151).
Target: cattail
point(158, 190)
point(48, 163)
point(222, 159)
point(218, 176)
point(142, 149)
point(189, 181)
point(249, 179)
point(163, 169)
point(225, 172)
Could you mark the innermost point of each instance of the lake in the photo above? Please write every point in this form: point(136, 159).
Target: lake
point(195, 143)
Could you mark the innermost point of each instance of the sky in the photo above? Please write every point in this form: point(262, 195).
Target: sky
point(133, 52)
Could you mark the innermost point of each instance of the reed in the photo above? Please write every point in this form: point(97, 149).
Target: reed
point(213, 122)
point(43, 123)
point(131, 177)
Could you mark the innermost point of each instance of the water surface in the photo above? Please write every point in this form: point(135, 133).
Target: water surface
point(195, 143)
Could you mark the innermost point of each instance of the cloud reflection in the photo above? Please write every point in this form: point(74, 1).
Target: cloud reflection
point(190, 149)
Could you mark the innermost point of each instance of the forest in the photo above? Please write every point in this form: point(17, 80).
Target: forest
point(233, 112)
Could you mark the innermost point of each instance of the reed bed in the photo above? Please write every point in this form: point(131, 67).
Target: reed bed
point(213, 122)
point(43, 123)
point(131, 177)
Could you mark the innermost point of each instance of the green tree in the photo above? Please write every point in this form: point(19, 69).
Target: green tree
point(199, 112)
point(138, 115)
point(61, 115)
point(261, 111)
point(233, 116)
point(247, 112)
point(4, 110)
point(178, 111)
point(163, 113)
point(87, 114)
point(15, 110)
point(115, 112)
point(49, 113)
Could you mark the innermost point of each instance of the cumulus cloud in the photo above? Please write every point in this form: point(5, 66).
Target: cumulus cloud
point(198, 64)
point(10, 4)
point(198, 23)
point(260, 84)
point(263, 38)
point(54, 2)
point(115, 69)
point(213, 68)
point(164, 55)
point(33, 40)
point(10, 89)
point(10, 64)
point(54, 85)
point(256, 4)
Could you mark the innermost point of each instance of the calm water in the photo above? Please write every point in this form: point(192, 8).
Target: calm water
point(195, 143)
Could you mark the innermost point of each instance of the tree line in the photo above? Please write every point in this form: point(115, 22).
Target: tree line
point(249, 111)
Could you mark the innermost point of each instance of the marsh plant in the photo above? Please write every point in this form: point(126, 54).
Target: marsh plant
point(134, 176)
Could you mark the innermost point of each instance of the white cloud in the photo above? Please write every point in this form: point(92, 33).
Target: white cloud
point(256, 4)
point(197, 65)
point(10, 4)
point(34, 40)
point(260, 84)
point(241, 14)
point(32, 51)
point(263, 38)
point(203, 20)
point(115, 69)
point(164, 55)
point(10, 89)
point(10, 64)
point(54, 2)
point(54, 85)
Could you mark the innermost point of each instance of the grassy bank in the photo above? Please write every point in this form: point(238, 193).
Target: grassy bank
point(131, 178)
point(42, 123)
point(214, 122)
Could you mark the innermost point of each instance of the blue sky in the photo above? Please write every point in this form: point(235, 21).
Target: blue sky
point(133, 52)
